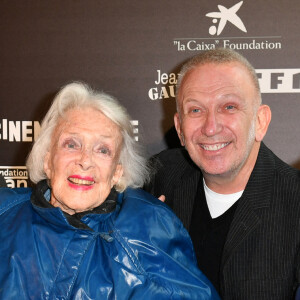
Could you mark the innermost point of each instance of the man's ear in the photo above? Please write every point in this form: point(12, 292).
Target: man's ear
point(262, 122)
point(178, 128)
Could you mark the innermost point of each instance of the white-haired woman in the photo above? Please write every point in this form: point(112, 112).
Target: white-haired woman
point(85, 231)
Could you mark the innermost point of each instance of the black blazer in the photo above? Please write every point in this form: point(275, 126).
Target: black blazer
point(261, 258)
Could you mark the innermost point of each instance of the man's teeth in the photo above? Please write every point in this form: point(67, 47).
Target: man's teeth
point(214, 147)
point(80, 181)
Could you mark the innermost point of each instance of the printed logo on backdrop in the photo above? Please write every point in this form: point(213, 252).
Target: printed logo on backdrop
point(164, 86)
point(28, 131)
point(13, 177)
point(270, 81)
point(226, 17)
point(135, 126)
point(19, 131)
point(223, 18)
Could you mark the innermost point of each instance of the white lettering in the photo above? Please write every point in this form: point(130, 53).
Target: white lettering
point(193, 46)
point(163, 92)
point(14, 131)
point(4, 129)
point(158, 77)
point(270, 80)
point(19, 131)
point(257, 45)
point(164, 78)
point(15, 183)
point(279, 80)
point(37, 129)
point(152, 93)
point(26, 131)
point(173, 78)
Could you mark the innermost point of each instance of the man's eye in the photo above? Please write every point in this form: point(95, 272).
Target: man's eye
point(229, 107)
point(194, 110)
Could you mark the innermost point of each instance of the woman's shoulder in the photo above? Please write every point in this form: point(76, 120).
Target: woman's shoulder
point(153, 236)
point(143, 214)
point(11, 197)
point(140, 200)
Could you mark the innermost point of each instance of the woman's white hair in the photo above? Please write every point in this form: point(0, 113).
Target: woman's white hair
point(80, 95)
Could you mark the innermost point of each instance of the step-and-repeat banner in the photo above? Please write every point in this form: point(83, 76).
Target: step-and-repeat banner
point(133, 50)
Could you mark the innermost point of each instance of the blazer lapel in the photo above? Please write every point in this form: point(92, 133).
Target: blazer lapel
point(244, 222)
point(185, 193)
point(256, 196)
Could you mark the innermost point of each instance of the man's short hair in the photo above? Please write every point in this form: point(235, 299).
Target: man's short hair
point(218, 56)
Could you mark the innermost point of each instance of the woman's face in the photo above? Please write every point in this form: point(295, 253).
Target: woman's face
point(82, 163)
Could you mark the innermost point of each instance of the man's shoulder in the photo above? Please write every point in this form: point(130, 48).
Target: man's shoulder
point(172, 155)
point(283, 178)
point(282, 169)
point(170, 159)
point(287, 178)
point(169, 167)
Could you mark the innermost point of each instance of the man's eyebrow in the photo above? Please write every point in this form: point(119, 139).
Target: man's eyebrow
point(190, 100)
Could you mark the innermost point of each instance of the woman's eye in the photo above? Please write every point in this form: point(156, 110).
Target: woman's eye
point(195, 110)
point(69, 144)
point(104, 151)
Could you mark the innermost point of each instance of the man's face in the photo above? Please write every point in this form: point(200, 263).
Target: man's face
point(216, 123)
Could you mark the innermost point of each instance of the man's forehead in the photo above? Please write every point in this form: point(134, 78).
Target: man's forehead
point(213, 67)
point(211, 76)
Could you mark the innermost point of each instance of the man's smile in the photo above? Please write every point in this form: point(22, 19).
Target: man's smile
point(214, 147)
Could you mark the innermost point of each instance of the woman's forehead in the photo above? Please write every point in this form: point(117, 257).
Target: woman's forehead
point(87, 121)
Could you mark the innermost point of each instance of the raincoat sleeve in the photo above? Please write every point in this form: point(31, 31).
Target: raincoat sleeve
point(164, 251)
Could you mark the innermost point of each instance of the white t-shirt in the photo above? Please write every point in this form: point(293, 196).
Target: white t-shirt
point(217, 203)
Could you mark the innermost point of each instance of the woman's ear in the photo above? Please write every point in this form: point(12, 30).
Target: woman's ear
point(262, 122)
point(117, 175)
point(47, 165)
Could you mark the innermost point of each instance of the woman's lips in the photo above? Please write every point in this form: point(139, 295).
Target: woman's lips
point(80, 181)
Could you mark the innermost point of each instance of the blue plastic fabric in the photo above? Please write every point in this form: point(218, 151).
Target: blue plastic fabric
point(139, 251)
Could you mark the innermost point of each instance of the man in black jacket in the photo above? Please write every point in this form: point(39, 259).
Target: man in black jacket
point(240, 203)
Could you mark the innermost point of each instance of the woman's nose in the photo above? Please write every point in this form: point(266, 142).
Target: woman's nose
point(86, 159)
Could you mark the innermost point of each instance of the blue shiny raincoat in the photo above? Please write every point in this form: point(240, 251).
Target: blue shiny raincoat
point(138, 251)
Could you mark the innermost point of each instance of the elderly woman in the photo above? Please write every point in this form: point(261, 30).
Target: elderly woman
point(85, 231)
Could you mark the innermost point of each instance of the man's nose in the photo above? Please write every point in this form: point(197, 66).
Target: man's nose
point(212, 124)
